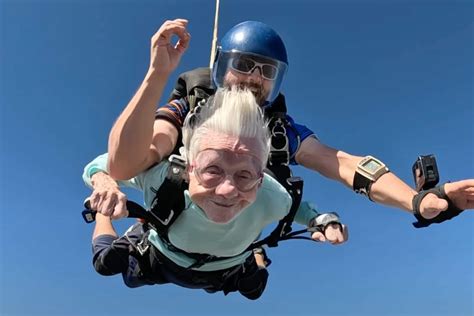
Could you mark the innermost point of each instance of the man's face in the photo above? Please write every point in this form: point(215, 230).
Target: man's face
point(255, 80)
point(225, 176)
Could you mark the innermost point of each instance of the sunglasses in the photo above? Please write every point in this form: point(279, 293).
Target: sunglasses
point(247, 65)
point(211, 177)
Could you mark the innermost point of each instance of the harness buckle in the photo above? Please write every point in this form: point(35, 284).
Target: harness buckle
point(166, 220)
point(177, 161)
point(279, 147)
point(141, 247)
point(295, 182)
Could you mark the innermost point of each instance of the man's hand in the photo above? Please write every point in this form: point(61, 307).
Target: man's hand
point(107, 199)
point(165, 56)
point(334, 233)
point(461, 193)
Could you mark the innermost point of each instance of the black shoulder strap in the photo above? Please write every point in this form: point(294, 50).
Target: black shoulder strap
point(195, 84)
point(278, 167)
point(168, 202)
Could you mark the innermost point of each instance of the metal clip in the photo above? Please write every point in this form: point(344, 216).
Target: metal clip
point(165, 221)
point(142, 249)
point(177, 160)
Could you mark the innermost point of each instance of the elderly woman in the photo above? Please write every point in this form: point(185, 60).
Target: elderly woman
point(228, 204)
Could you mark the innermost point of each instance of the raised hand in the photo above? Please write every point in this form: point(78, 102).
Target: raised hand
point(165, 56)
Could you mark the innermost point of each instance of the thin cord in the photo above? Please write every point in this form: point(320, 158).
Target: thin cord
point(214, 36)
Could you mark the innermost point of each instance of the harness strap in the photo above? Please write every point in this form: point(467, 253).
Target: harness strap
point(279, 146)
point(200, 258)
point(149, 257)
point(294, 186)
point(196, 85)
point(168, 202)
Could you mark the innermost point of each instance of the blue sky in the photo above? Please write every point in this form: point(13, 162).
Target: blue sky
point(389, 78)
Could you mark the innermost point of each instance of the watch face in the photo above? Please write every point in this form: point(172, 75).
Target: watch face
point(372, 165)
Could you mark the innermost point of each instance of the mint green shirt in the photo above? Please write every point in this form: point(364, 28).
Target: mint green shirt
point(194, 232)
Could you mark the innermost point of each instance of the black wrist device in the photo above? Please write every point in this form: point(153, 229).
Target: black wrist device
point(451, 212)
point(425, 172)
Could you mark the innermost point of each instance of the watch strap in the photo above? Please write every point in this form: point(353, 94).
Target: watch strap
point(362, 184)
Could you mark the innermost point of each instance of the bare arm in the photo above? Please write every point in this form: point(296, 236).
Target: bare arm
point(134, 145)
point(130, 139)
point(341, 166)
point(103, 226)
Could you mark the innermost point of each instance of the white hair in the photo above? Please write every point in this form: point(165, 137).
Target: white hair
point(231, 111)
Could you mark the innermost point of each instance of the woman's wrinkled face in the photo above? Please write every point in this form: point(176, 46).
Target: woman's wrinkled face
point(225, 175)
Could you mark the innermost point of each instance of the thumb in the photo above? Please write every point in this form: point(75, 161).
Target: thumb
point(435, 204)
point(318, 236)
point(432, 205)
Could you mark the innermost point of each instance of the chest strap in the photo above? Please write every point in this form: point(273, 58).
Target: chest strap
point(168, 202)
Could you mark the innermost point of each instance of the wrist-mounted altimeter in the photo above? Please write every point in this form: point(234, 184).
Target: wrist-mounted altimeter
point(367, 172)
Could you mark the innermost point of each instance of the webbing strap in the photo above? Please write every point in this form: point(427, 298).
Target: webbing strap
point(168, 202)
point(294, 186)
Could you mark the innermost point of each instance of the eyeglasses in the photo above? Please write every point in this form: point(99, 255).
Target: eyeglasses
point(210, 177)
point(247, 65)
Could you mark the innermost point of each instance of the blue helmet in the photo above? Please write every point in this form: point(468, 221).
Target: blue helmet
point(249, 45)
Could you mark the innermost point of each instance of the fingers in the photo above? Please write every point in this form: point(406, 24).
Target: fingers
point(110, 203)
point(318, 236)
point(183, 42)
point(467, 185)
point(107, 203)
point(336, 234)
point(120, 209)
point(461, 193)
point(173, 27)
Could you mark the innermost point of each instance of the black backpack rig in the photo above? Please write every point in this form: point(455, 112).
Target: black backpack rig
point(168, 203)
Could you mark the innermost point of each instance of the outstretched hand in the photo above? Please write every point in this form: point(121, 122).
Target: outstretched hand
point(461, 193)
point(335, 234)
point(107, 199)
point(165, 56)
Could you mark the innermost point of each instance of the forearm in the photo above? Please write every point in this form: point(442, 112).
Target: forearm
point(103, 226)
point(102, 181)
point(306, 212)
point(96, 176)
point(130, 139)
point(341, 166)
point(390, 190)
